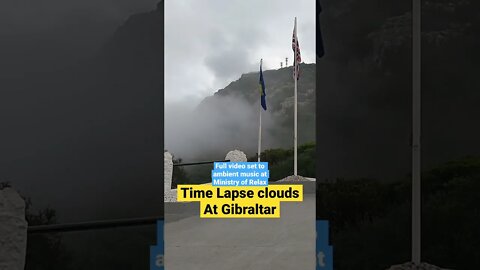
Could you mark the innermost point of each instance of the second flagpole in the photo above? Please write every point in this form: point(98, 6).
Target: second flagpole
point(295, 132)
point(260, 123)
point(295, 111)
point(259, 133)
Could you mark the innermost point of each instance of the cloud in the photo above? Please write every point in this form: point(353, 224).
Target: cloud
point(50, 34)
point(209, 43)
point(204, 133)
point(228, 63)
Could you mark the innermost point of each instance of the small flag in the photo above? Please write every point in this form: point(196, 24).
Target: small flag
point(319, 42)
point(296, 51)
point(262, 89)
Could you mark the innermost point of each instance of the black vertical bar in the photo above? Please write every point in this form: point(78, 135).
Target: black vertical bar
point(416, 127)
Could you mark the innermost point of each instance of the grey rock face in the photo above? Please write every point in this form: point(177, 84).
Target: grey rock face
point(236, 156)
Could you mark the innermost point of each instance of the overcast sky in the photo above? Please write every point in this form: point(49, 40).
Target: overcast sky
point(210, 43)
point(50, 34)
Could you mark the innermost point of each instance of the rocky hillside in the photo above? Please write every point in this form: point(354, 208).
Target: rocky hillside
point(278, 119)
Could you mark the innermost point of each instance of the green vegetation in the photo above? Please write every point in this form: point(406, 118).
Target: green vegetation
point(370, 219)
point(280, 161)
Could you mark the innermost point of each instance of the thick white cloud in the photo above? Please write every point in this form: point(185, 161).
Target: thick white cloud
point(209, 43)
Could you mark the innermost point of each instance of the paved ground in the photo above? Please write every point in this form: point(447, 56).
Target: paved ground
point(230, 244)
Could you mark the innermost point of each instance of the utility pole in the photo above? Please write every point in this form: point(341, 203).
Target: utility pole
point(416, 128)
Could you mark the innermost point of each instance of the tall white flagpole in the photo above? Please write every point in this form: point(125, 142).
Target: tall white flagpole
point(416, 128)
point(259, 133)
point(295, 132)
point(295, 110)
point(260, 123)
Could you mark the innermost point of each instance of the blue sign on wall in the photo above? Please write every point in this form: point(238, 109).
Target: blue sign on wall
point(324, 250)
point(157, 252)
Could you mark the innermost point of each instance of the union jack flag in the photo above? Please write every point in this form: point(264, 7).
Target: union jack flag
point(297, 59)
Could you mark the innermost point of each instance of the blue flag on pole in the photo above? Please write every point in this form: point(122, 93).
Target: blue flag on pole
point(262, 89)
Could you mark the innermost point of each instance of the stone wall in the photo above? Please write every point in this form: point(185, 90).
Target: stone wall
point(170, 195)
point(13, 230)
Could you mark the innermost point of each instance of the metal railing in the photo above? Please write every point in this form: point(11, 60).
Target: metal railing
point(199, 163)
point(92, 225)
